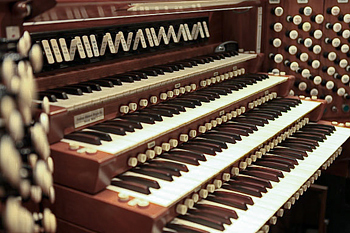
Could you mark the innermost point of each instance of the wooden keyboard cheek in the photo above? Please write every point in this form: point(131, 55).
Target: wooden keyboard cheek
point(83, 171)
point(103, 212)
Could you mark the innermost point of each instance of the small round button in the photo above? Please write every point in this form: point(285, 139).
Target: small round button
point(315, 64)
point(341, 91)
point(304, 57)
point(306, 10)
point(308, 42)
point(330, 85)
point(344, 48)
point(302, 86)
point(332, 56)
point(297, 19)
point(336, 42)
point(318, 34)
point(278, 11)
point(277, 27)
point(305, 73)
point(317, 49)
point(335, 10)
point(306, 26)
point(319, 19)
point(346, 34)
point(346, 18)
point(293, 34)
point(294, 66)
point(317, 80)
point(276, 42)
point(331, 71)
point(329, 99)
point(337, 27)
point(292, 50)
point(345, 78)
point(343, 63)
point(278, 58)
point(314, 92)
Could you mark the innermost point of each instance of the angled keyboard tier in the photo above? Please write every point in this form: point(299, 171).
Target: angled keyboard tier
point(93, 161)
point(149, 199)
point(81, 104)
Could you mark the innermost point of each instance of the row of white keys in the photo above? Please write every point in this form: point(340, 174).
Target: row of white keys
point(288, 184)
point(149, 132)
point(126, 89)
point(265, 207)
point(215, 164)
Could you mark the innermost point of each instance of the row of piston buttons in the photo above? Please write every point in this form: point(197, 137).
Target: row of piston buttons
point(131, 107)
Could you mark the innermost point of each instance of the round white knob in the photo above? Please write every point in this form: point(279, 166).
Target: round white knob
point(337, 27)
point(317, 49)
point(315, 64)
point(344, 48)
point(319, 19)
point(314, 92)
point(330, 71)
point(335, 10)
point(305, 73)
point(276, 42)
point(346, 34)
point(293, 34)
point(330, 85)
point(336, 42)
point(292, 50)
point(346, 18)
point(308, 42)
point(341, 91)
point(317, 80)
point(343, 63)
point(329, 99)
point(307, 11)
point(345, 78)
point(278, 11)
point(297, 19)
point(318, 34)
point(332, 56)
point(302, 86)
point(277, 27)
point(304, 57)
point(306, 26)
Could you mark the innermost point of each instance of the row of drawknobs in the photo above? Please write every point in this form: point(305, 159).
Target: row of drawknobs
point(25, 163)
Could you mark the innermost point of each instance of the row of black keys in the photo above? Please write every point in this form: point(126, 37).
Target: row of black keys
point(132, 121)
point(174, 162)
point(117, 80)
point(254, 181)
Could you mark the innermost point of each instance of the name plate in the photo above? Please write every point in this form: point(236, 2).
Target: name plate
point(88, 117)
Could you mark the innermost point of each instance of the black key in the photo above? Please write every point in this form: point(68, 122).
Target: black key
point(126, 126)
point(195, 101)
point(124, 78)
point(108, 129)
point(139, 118)
point(171, 171)
point(224, 138)
point(137, 187)
point(100, 135)
point(273, 164)
point(217, 209)
point(179, 107)
point(136, 125)
point(204, 221)
point(173, 110)
point(81, 137)
point(58, 94)
point(199, 148)
point(71, 90)
point(160, 112)
point(165, 68)
point(182, 103)
point(184, 228)
point(206, 144)
point(51, 97)
point(217, 142)
point(155, 116)
point(140, 74)
point(84, 88)
point(101, 82)
point(154, 173)
point(148, 182)
point(244, 198)
point(179, 151)
point(162, 163)
point(93, 86)
point(114, 81)
point(180, 158)
point(228, 201)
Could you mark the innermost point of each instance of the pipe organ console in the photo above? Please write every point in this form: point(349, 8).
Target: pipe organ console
point(160, 117)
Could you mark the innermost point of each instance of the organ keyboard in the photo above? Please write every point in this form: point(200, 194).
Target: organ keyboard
point(165, 125)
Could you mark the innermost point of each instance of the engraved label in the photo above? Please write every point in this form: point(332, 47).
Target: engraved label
point(87, 46)
point(122, 40)
point(117, 41)
point(194, 32)
point(80, 48)
point(72, 49)
point(103, 45)
point(142, 38)
point(48, 52)
point(206, 29)
point(343, 1)
point(303, 1)
point(182, 32)
point(171, 34)
point(136, 41)
point(88, 117)
point(94, 45)
point(274, 1)
point(128, 42)
point(64, 49)
point(151, 144)
point(155, 38)
point(110, 42)
point(149, 37)
point(187, 30)
point(177, 85)
point(200, 28)
point(161, 34)
point(56, 50)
